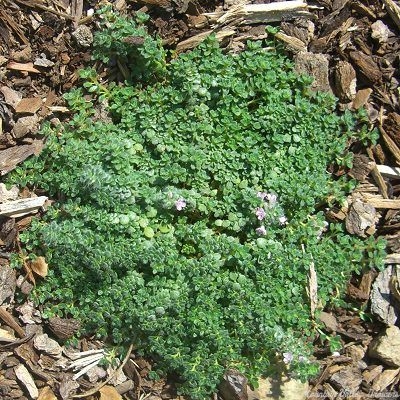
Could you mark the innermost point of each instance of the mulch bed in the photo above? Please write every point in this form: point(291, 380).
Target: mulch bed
point(352, 48)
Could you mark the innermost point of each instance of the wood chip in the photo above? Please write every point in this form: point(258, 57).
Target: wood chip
point(294, 44)
point(389, 172)
point(12, 156)
point(29, 105)
point(367, 66)
point(383, 380)
point(377, 201)
point(20, 207)
point(11, 96)
point(392, 258)
point(391, 145)
point(28, 67)
point(26, 379)
point(361, 98)
point(393, 10)
point(195, 40)
point(260, 13)
point(9, 320)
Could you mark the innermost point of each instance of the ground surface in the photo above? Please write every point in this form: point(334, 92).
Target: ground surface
point(353, 51)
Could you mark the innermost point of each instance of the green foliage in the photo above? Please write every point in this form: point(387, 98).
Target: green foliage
point(188, 224)
point(126, 41)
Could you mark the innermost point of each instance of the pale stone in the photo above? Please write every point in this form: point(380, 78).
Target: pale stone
point(281, 388)
point(386, 347)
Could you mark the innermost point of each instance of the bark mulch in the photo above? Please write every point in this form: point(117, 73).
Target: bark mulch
point(352, 48)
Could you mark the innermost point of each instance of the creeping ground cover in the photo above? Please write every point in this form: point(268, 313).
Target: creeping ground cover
point(187, 221)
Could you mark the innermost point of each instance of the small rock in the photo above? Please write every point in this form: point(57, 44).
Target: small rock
point(280, 388)
point(315, 65)
point(382, 303)
point(386, 347)
point(43, 62)
point(83, 36)
point(7, 195)
point(47, 345)
point(233, 386)
point(24, 126)
point(347, 380)
point(380, 31)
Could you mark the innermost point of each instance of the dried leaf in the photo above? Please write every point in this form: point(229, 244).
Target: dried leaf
point(26, 379)
point(109, 393)
point(39, 266)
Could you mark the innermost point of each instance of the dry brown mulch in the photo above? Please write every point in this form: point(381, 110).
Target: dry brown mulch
point(353, 51)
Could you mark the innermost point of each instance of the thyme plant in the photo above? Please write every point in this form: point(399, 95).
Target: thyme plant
point(188, 223)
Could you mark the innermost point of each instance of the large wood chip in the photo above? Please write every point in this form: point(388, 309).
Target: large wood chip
point(393, 10)
point(195, 40)
point(26, 379)
point(242, 14)
point(20, 207)
point(28, 67)
point(345, 81)
point(392, 127)
point(11, 157)
point(385, 379)
point(368, 67)
point(11, 96)
point(391, 145)
point(389, 172)
point(29, 105)
point(9, 320)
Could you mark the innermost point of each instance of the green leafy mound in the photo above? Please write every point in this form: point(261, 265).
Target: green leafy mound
point(188, 224)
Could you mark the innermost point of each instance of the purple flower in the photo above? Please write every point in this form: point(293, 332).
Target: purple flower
point(262, 195)
point(287, 358)
point(303, 359)
point(260, 213)
point(282, 220)
point(180, 204)
point(261, 231)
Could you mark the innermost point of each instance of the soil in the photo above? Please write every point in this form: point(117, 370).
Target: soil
point(352, 50)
